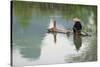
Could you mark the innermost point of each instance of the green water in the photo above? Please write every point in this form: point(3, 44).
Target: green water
point(32, 44)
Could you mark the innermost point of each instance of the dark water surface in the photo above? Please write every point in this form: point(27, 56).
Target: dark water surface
point(32, 44)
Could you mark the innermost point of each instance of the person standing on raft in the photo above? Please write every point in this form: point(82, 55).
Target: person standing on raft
point(77, 27)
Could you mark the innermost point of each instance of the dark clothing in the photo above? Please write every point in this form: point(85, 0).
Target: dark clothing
point(77, 27)
point(77, 38)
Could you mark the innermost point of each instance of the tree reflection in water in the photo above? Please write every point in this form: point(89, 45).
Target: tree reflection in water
point(32, 19)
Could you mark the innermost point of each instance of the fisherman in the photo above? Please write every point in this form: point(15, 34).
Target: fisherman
point(77, 26)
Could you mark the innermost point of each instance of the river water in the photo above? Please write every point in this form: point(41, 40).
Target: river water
point(32, 45)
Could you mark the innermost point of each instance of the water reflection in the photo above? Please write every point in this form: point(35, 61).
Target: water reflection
point(56, 52)
point(32, 45)
point(54, 30)
point(55, 37)
point(77, 41)
point(28, 49)
point(32, 53)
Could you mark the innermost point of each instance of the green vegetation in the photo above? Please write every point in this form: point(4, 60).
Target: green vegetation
point(24, 13)
point(25, 10)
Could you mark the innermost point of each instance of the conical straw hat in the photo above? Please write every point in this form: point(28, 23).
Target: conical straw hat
point(76, 19)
